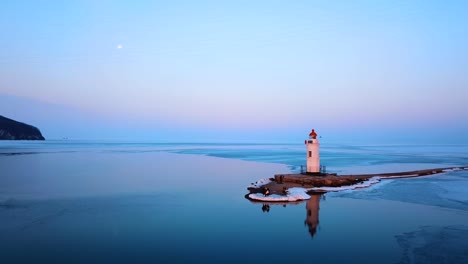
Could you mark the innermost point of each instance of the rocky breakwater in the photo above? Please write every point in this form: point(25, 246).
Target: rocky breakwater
point(327, 180)
point(14, 130)
point(295, 187)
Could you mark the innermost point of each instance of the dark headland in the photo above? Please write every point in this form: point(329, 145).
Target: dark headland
point(14, 130)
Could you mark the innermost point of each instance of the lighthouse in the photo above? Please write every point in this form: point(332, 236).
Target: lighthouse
point(313, 155)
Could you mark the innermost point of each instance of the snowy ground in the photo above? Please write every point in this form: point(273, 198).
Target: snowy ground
point(298, 194)
point(294, 194)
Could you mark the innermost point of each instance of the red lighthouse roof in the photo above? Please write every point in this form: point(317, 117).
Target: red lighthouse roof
point(313, 134)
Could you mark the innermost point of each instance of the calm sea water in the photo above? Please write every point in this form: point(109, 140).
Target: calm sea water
point(104, 202)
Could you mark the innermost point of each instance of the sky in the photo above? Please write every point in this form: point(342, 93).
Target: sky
point(237, 70)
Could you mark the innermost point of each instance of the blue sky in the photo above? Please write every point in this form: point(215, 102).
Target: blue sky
point(242, 70)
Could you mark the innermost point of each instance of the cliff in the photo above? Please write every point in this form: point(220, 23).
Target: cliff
point(14, 130)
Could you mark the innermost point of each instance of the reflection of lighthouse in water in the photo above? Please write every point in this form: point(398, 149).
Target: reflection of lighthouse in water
point(313, 207)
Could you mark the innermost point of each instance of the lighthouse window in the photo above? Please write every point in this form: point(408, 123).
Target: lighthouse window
point(310, 153)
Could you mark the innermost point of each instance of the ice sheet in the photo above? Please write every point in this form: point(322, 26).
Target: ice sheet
point(444, 190)
point(432, 244)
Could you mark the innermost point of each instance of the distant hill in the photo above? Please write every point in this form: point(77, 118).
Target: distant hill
point(14, 130)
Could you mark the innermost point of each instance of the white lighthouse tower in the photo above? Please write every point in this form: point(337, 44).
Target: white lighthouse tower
point(313, 155)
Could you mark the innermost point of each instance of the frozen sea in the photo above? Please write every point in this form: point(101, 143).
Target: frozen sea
point(107, 202)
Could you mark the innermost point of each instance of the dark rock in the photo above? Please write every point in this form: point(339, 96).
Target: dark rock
point(14, 130)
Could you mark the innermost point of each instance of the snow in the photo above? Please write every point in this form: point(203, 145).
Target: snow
point(364, 184)
point(259, 183)
point(402, 176)
point(456, 169)
point(293, 194)
point(299, 194)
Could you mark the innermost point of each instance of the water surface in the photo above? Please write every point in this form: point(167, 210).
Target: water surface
point(81, 202)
